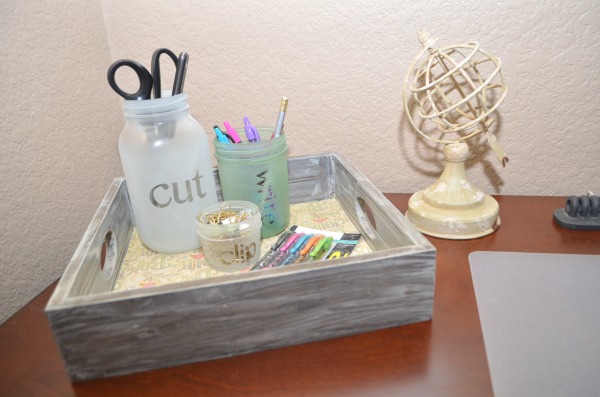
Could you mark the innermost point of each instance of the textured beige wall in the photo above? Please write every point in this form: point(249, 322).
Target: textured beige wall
point(341, 63)
point(59, 135)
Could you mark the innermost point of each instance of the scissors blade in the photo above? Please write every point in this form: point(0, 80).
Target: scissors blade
point(180, 73)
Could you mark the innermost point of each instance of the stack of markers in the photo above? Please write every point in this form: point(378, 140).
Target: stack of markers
point(292, 247)
point(231, 135)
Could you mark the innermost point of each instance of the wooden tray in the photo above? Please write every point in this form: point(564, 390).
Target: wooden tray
point(101, 332)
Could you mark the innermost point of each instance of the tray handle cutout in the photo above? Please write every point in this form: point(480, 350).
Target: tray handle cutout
point(365, 217)
point(108, 255)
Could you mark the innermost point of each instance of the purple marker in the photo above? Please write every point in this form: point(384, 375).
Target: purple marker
point(251, 131)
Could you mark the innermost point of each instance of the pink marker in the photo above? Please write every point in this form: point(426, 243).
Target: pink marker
point(232, 132)
point(291, 241)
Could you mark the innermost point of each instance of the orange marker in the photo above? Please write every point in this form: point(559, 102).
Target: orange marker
point(309, 244)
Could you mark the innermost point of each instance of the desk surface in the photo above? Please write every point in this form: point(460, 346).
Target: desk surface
point(445, 356)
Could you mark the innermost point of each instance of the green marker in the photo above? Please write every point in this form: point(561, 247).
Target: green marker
point(321, 247)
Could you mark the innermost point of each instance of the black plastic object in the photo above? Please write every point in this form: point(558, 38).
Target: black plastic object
point(143, 75)
point(580, 213)
point(156, 69)
point(147, 79)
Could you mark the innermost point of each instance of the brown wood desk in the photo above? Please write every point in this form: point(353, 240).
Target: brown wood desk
point(442, 357)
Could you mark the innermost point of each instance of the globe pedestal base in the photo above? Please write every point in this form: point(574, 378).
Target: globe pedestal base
point(453, 223)
point(453, 208)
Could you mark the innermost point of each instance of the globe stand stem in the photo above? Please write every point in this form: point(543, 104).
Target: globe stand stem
point(454, 208)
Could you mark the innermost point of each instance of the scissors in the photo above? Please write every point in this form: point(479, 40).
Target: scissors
point(149, 80)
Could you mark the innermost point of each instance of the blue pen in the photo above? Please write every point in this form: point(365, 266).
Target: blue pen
point(299, 243)
point(251, 131)
point(293, 252)
point(221, 137)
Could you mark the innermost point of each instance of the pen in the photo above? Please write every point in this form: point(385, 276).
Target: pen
point(293, 254)
point(232, 132)
point(283, 251)
point(321, 247)
point(266, 260)
point(290, 241)
point(282, 109)
point(273, 252)
point(299, 243)
point(251, 131)
point(291, 257)
point(270, 257)
point(309, 244)
point(221, 137)
point(282, 239)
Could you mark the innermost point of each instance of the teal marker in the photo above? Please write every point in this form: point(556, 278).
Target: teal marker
point(221, 137)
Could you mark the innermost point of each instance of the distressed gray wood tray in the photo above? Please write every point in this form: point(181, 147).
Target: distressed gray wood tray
point(103, 333)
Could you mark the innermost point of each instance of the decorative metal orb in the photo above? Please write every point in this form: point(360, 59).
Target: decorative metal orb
point(455, 89)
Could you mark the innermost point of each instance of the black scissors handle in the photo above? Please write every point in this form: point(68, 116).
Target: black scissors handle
point(144, 77)
point(156, 69)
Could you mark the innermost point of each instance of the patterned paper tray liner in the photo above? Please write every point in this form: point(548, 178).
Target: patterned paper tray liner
point(145, 268)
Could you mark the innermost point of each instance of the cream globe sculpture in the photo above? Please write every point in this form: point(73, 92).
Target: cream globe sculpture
point(450, 94)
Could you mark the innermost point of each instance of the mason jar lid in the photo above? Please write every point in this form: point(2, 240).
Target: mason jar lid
point(155, 107)
point(263, 150)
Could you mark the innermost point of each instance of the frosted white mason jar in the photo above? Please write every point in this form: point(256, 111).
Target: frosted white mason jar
point(167, 165)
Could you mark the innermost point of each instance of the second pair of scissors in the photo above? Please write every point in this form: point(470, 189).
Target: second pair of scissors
point(148, 80)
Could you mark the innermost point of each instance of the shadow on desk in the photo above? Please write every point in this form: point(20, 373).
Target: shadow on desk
point(341, 366)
